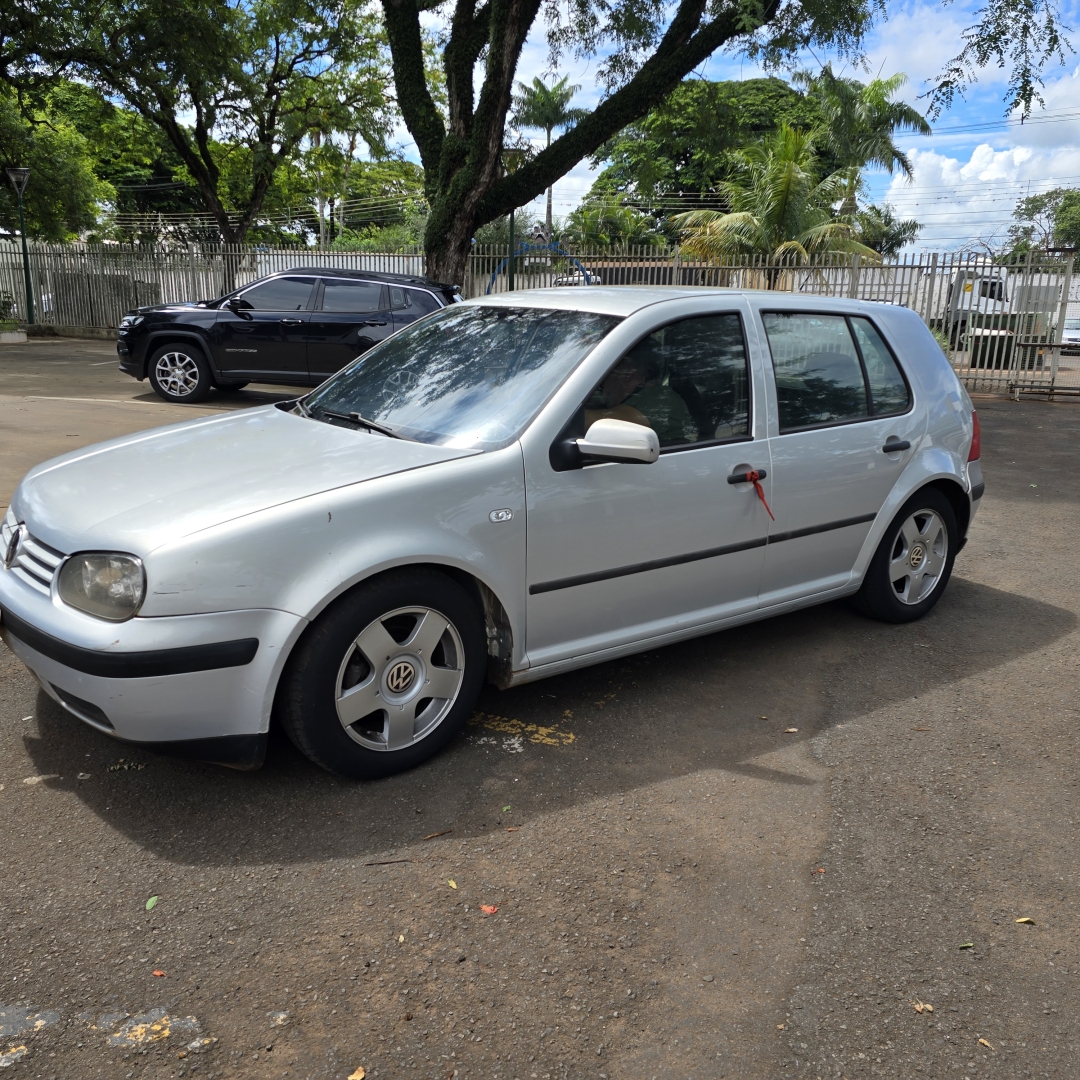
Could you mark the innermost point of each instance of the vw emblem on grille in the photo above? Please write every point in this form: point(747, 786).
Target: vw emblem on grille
point(400, 677)
point(13, 547)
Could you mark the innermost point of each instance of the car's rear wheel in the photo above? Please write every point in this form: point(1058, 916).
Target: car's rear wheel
point(387, 676)
point(179, 373)
point(913, 562)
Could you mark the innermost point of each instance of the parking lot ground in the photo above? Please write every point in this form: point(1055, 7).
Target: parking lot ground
point(685, 888)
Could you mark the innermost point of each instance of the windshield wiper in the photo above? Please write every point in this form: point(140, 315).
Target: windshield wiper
point(356, 418)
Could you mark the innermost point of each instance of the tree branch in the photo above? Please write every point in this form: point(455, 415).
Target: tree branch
point(682, 48)
point(402, 19)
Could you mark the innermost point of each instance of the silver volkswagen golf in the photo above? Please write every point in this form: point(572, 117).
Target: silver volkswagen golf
point(511, 488)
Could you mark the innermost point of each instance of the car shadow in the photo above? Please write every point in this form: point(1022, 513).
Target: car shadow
point(717, 702)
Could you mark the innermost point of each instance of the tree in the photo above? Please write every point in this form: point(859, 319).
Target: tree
point(64, 196)
point(1035, 221)
point(675, 157)
point(548, 108)
point(859, 120)
point(611, 222)
point(208, 73)
point(879, 228)
point(779, 209)
point(648, 50)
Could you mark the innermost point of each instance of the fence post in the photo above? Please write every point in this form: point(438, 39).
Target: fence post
point(1059, 330)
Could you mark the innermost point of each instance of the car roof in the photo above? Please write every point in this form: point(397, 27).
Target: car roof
point(624, 300)
point(366, 275)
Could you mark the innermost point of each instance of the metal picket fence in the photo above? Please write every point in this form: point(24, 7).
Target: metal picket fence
point(1000, 322)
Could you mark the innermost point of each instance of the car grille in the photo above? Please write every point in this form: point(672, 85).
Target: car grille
point(35, 562)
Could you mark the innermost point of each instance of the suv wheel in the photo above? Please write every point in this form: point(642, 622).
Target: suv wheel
point(387, 676)
point(913, 562)
point(179, 373)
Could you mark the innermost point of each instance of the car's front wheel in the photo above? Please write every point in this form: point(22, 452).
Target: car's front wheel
point(180, 374)
point(387, 676)
point(913, 562)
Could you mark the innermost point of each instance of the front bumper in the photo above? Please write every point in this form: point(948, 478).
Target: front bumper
point(201, 685)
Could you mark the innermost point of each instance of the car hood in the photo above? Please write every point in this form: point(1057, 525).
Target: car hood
point(142, 490)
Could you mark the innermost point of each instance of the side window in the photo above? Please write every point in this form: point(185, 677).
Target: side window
point(687, 381)
point(419, 302)
point(888, 391)
point(356, 297)
point(279, 294)
point(819, 379)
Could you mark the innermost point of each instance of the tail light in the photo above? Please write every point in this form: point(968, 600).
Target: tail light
point(976, 438)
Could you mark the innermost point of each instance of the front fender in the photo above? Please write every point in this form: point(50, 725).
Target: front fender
point(301, 556)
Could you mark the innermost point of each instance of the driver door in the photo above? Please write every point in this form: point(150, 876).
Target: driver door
point(618, 553)
point(264, 332)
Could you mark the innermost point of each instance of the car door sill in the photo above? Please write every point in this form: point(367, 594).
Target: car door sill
point(670, 637)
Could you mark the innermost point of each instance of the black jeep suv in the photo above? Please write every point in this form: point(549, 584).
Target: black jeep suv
point(297, 327)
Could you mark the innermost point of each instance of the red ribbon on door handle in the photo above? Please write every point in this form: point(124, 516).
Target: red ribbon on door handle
point(754, 477)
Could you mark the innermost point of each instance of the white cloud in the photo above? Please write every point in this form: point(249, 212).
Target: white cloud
point(961, 201)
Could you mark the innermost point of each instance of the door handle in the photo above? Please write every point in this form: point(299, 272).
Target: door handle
point(373, 322)
point(747, 477)
point(292, 322)
point(894, 446)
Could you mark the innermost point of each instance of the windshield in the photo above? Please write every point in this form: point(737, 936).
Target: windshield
point(1072, 324)
point(466, 376)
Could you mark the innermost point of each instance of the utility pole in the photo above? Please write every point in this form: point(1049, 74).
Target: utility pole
point(18, 178)
point(512, 252)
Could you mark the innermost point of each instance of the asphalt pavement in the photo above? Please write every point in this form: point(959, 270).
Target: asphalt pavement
point(796, 849)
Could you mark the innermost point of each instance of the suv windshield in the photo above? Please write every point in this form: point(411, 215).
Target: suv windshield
point(466, 376)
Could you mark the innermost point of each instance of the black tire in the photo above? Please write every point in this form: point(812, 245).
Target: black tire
point(330, 658)
point(894, 601)
point(230, 387)
point(179, 373)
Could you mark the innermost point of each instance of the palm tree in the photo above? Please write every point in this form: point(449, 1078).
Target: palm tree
point(546, 107)
point(778, 207)
point(859, 121)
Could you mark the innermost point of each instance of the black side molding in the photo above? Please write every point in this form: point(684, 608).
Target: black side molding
point(643, 567)
point(794, 534)
point(132, 665)
point(693, 556)
point(977, 492)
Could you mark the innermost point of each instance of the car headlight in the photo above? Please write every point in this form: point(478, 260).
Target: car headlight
point(131, 320)
point(103, 583)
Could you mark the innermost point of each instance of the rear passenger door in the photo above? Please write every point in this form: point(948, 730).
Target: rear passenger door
point(349, 317)
point(409, 305)
point(841, 400)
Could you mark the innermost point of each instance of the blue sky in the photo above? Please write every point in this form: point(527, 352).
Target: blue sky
point(966, 181)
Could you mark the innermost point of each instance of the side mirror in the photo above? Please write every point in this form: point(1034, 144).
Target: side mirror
point(619, 440)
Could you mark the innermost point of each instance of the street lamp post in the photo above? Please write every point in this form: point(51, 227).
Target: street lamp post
point(18, 178)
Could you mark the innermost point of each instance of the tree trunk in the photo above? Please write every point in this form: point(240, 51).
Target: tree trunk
point(463, 174)
point(447, 250)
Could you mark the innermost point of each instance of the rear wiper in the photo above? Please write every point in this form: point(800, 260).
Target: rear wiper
point(356, 418)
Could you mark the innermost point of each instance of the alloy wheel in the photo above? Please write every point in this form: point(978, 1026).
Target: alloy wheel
point(918, 557)
point(400, 678)
point(177, 373)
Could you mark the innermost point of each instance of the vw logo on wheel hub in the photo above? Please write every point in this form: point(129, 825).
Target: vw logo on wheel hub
point(400, 677)
point(917, 556)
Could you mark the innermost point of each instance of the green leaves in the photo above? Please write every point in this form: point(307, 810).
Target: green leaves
point(151, 903)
